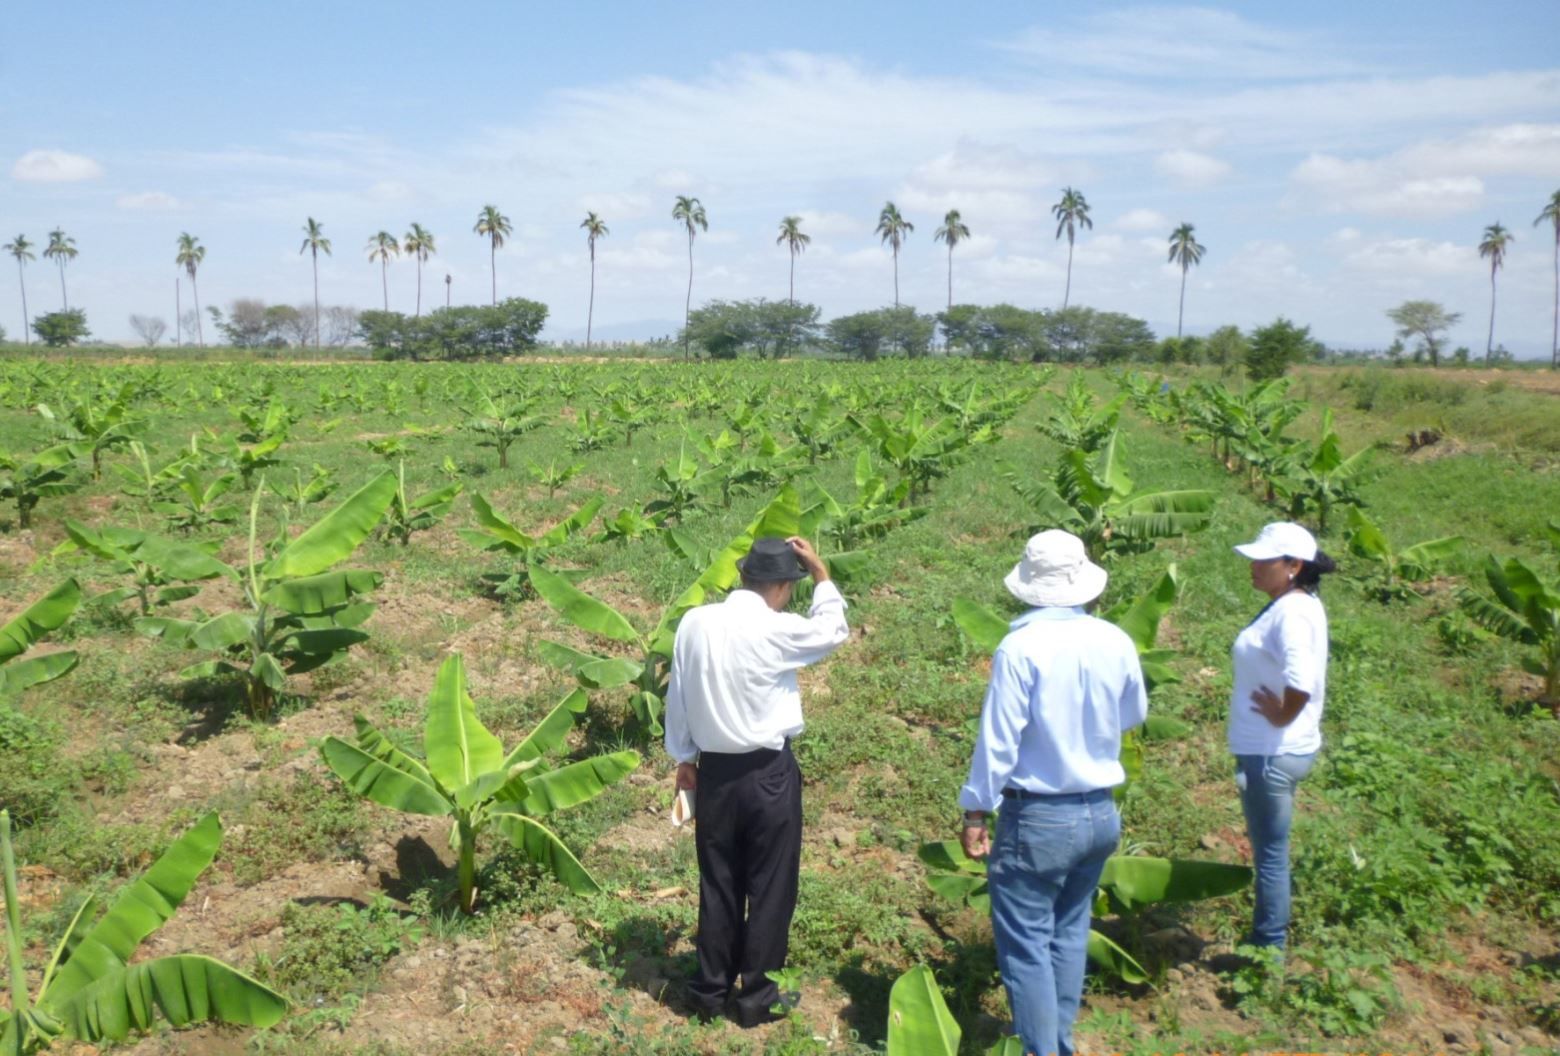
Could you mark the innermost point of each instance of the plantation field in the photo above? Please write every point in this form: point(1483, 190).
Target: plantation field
point(1427, 866)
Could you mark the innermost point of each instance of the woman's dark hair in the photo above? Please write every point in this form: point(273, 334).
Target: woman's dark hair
point(1311, 572)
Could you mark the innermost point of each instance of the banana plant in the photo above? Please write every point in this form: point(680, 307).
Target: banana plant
point(919, 1023)
point(94, 427)
point(647, 670)
point(682, 484)
point(1077, 419)
point(28, 479)
point(819, 427)
point(1093, 497)
point(90, 992)
point(195, 501)
point(26, 629)
point(1322, 478)
point(591, 432)
point(500, 426)
point(407, 515)
point(141, 481)
point(920, 451)
point(298, 614)
point(631, 522)
point(247, 458)
point(552, 478)
point(495, 533)
point(1526, 609)
point(1396, 568)
point(468, 777)
point(876, 511)
point(161, 570)
point(300, 492)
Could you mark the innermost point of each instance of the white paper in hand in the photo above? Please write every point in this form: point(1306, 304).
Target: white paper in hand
point(682, 808)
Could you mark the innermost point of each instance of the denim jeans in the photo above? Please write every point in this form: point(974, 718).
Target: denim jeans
point(1267, 797)
point(1046, 860)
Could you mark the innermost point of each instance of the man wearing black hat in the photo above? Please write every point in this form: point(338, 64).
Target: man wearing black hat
point(732, 708)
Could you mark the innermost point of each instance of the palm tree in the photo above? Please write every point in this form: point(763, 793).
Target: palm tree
point(314, 241)
point(1496, 241)
point(1184, 251)
point(21, 249)
point(953, 231)
point(495, 225)
point(691, 213)
point(893, 228)
point(595, 228)
point(418, 242)
point(1071, 213)
point(191, 253)
point(382, 247)
point(1551, 215)
point(794, 240)
point(62, 250)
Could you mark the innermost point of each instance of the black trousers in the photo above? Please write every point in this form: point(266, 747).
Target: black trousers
point(748, 833)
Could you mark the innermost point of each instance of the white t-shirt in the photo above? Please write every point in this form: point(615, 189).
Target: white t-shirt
point(1285, 646)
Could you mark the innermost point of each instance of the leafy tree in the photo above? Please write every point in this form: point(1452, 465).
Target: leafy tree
point(494, 226)
point(795, 241)
point(893, 228)
point(1185, 251)
point(1276, 347)
point(191, 254)
point(419, 243)
point(884, 331)
point(21, 249)
point(1550, 215)
point(461, 333)
point(690, 213)
point(315, 242)
point(768, 329)
point(1493, 246)
point(148, 328)
point(59, 329)
point(1425, 320)
point(62, 250)
point(1071, 213)
point(595, 228)
point(382, 247)
point(953, 231)
point(1226, 347)
point(91, 991)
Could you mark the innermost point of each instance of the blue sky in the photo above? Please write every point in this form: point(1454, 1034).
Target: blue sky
point(1335, 158)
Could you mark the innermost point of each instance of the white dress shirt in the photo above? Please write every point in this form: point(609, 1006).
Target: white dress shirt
point(1064, 685)
point(1286, 645)
point(734, 663)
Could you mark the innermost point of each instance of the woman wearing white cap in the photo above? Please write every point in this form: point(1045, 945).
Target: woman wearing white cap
point(1064, 685)
point(1280, 661)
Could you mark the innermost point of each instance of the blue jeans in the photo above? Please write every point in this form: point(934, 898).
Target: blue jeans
point(1046, 860)
point(1267, 797)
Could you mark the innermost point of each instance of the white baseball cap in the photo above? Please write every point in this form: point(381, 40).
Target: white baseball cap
point(1280, 539)
point(1055, 570)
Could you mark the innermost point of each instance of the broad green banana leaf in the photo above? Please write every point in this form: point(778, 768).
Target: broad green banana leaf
point(984, 627)
point(575, 783)
point(219, 632)
point(1140, 617)
point(1114, 959)
point(550, 732)
point(36, 670)
point(311, 595)
point(1012, 1045)
point(141, 909)
point(955, 876)
point(46, 614)
point(460, 749)
point(382, 748)
point(184, 989)
point(500, 531)
point(919, 1023)
point(338, 533)
point(541, 845)
point(581, 517)
point(1134, 882)
point(383, 781)
point(579, 608)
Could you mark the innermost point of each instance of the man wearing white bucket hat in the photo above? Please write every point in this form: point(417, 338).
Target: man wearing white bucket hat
point(1064, 686)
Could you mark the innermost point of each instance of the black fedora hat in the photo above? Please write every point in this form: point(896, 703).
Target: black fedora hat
point(770, 560)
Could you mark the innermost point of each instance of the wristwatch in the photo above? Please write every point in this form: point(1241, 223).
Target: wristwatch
point(974, 819)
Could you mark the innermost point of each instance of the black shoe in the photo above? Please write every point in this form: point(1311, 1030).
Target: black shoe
point(747, 1018)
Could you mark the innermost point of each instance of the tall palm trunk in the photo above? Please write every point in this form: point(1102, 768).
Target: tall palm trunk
point(688, 301)
point(590, 313)
point(178, 311)
point(1067, 292)
point(950, 276)
point(315, 254)
point(1181, 312)
point(200, 328)
point(1554, 353)
point(21, 276)
point(493, 266)
point(63, 298)
point(419, 287)
point(896, 276)
point(1489, 342)
point(384, 280)
point(793, 277)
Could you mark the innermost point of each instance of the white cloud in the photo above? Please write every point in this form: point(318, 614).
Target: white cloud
point(390, 191)
point(1142, 220)
point(1191, 169)
point(615, 205)
point(1409, 258)
point(55, 166)
point(822, 224)
point(148, 201)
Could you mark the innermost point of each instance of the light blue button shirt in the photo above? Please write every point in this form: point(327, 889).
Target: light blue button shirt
point(1064, 685)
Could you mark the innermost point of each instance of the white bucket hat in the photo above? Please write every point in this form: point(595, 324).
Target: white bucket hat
point(1055, 570)
point(1280, 539)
